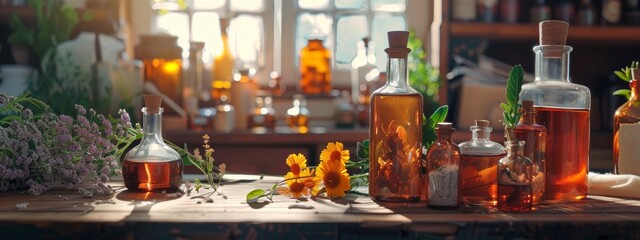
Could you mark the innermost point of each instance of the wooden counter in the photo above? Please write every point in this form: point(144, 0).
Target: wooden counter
point(64, 214)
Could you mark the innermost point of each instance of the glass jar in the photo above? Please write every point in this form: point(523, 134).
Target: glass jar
point(152, 165)
point(298, 115)
point(262, 117)
point(514, 179)
point(535, 137)
point(315, 68)
point(629, 112)
point(564, 108)
point(480, 156)
point(395, 132)
point(243, 94)
point(225, 118)
point(443, 169)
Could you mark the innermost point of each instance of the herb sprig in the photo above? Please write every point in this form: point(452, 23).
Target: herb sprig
point(625, 75)
point(511, 109)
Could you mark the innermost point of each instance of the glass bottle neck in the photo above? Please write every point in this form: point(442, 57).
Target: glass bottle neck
point(445, 135)
point(635, 90)
point(552, 62)
point(480, 133)
point(528, 117)
point(397, 72)
point(152, 126)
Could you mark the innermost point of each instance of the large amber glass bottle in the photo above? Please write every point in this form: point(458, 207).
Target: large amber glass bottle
point(152, 166)
point(629, 112)
point(396, 130)
point(563, 107)
point(315, 68)
point(535, 137)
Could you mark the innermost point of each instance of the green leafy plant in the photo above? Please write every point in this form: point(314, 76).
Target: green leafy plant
point(511, 109)
point(625, 75)
point(422, 76)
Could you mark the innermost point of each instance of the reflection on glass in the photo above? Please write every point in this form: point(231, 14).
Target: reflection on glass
point(247, 5)
point(313, 4)
point(208, 4)
point(175, 23)
point(388, 5)
point(350, 4)
point(383, 23)
point(350, 30)
point(313, 26)
point(246, 39)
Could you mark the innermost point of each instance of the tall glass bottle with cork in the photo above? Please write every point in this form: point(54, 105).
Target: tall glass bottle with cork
point(395, 132)
point(563, 107)
point(629, 112)
point(480, 156)
point(152, 165)
point(535, 137)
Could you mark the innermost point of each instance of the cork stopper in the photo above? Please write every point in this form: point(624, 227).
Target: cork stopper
point(482, 123)
point(553, 32)
point(635, 73)
point(398, 44)
point(444, 126)
point(152, 102)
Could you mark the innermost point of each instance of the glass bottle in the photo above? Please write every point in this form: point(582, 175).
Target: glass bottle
point(223, 63)
point(487, 10)
point(540, 11)
point(262, 117)
point(243, 94)
point(395, 132)
point(611, 12)
point(514, 179)
point(224, 120)
point(479, 163)
point(586, 13)
point(315, 68)
point(152, 165)
point(535, 137)
point(629, 112)
point(298, 115)
point(443, 169)
point(564, 10)
point(564, 108)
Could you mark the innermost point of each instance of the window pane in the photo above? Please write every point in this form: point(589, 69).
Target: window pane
point(349, 30)
point(176, 24)
point(208, 4)
point(313, 4)
point(351, 4)
point(313, 26)
point(206, 28)
point(247, 5)
point(388, 5)
point(167, 5)
point(245, 40)
point(382, 23)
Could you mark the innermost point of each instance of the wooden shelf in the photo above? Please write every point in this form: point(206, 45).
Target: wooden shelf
point(510, 32)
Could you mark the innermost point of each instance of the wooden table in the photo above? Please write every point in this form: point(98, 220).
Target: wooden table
point(65, 214)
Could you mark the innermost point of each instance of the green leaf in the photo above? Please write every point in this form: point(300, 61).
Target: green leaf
point(511, 109)
point(362, 149)
point(429, 125)
point(623, 92)
point(255, 194)
point(622, 75)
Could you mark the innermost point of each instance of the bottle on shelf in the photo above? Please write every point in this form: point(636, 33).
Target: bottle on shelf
point(275, 84)
point(200, 111)
point(540, 11)
point(480, 156)
point(223, 65)
point(629, 112)
point(487, 10)
point(535, 137)
point(632, 12)
point(443, 169)
point(514, 179)
point(152, 165)
point(243, 94)
point(395, 132)
point(262, 117)
point(564, 108)
point(464, 10)
point(315, 68)
point(586, 13)
point(298, 115)
point(509, 11)
point(564, 10)
point(612, 12)
point(225, 118)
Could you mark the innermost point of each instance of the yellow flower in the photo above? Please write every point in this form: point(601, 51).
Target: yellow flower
point(335, 178)
point(334, 152)
point(297, 185)
point(297, 163)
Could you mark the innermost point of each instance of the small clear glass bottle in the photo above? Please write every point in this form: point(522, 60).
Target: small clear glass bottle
point(243, 94)
point(535, 137)
point(628, 112)
point(298, 115)
point(514, 179)
point(565, 109)
point(152, 165)
point(480, 156)
point(395, 131)
point(262, 117)
point(225, 117)
point(443, 169)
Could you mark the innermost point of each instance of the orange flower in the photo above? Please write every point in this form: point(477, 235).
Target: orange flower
point(296, 185)
point(333, 175)
point(297, 163)
point(334, 152)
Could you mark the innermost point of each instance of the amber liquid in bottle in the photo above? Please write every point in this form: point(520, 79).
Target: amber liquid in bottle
point(396, 128)
point(479, 179)
point(566, 172)
point(315, 68)
point(152, 176)
point(515, 197)
point(514, 179)
point(629, 112)
point(535, 137)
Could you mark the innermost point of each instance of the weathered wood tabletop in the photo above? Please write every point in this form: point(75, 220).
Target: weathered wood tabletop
point(64, 213)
